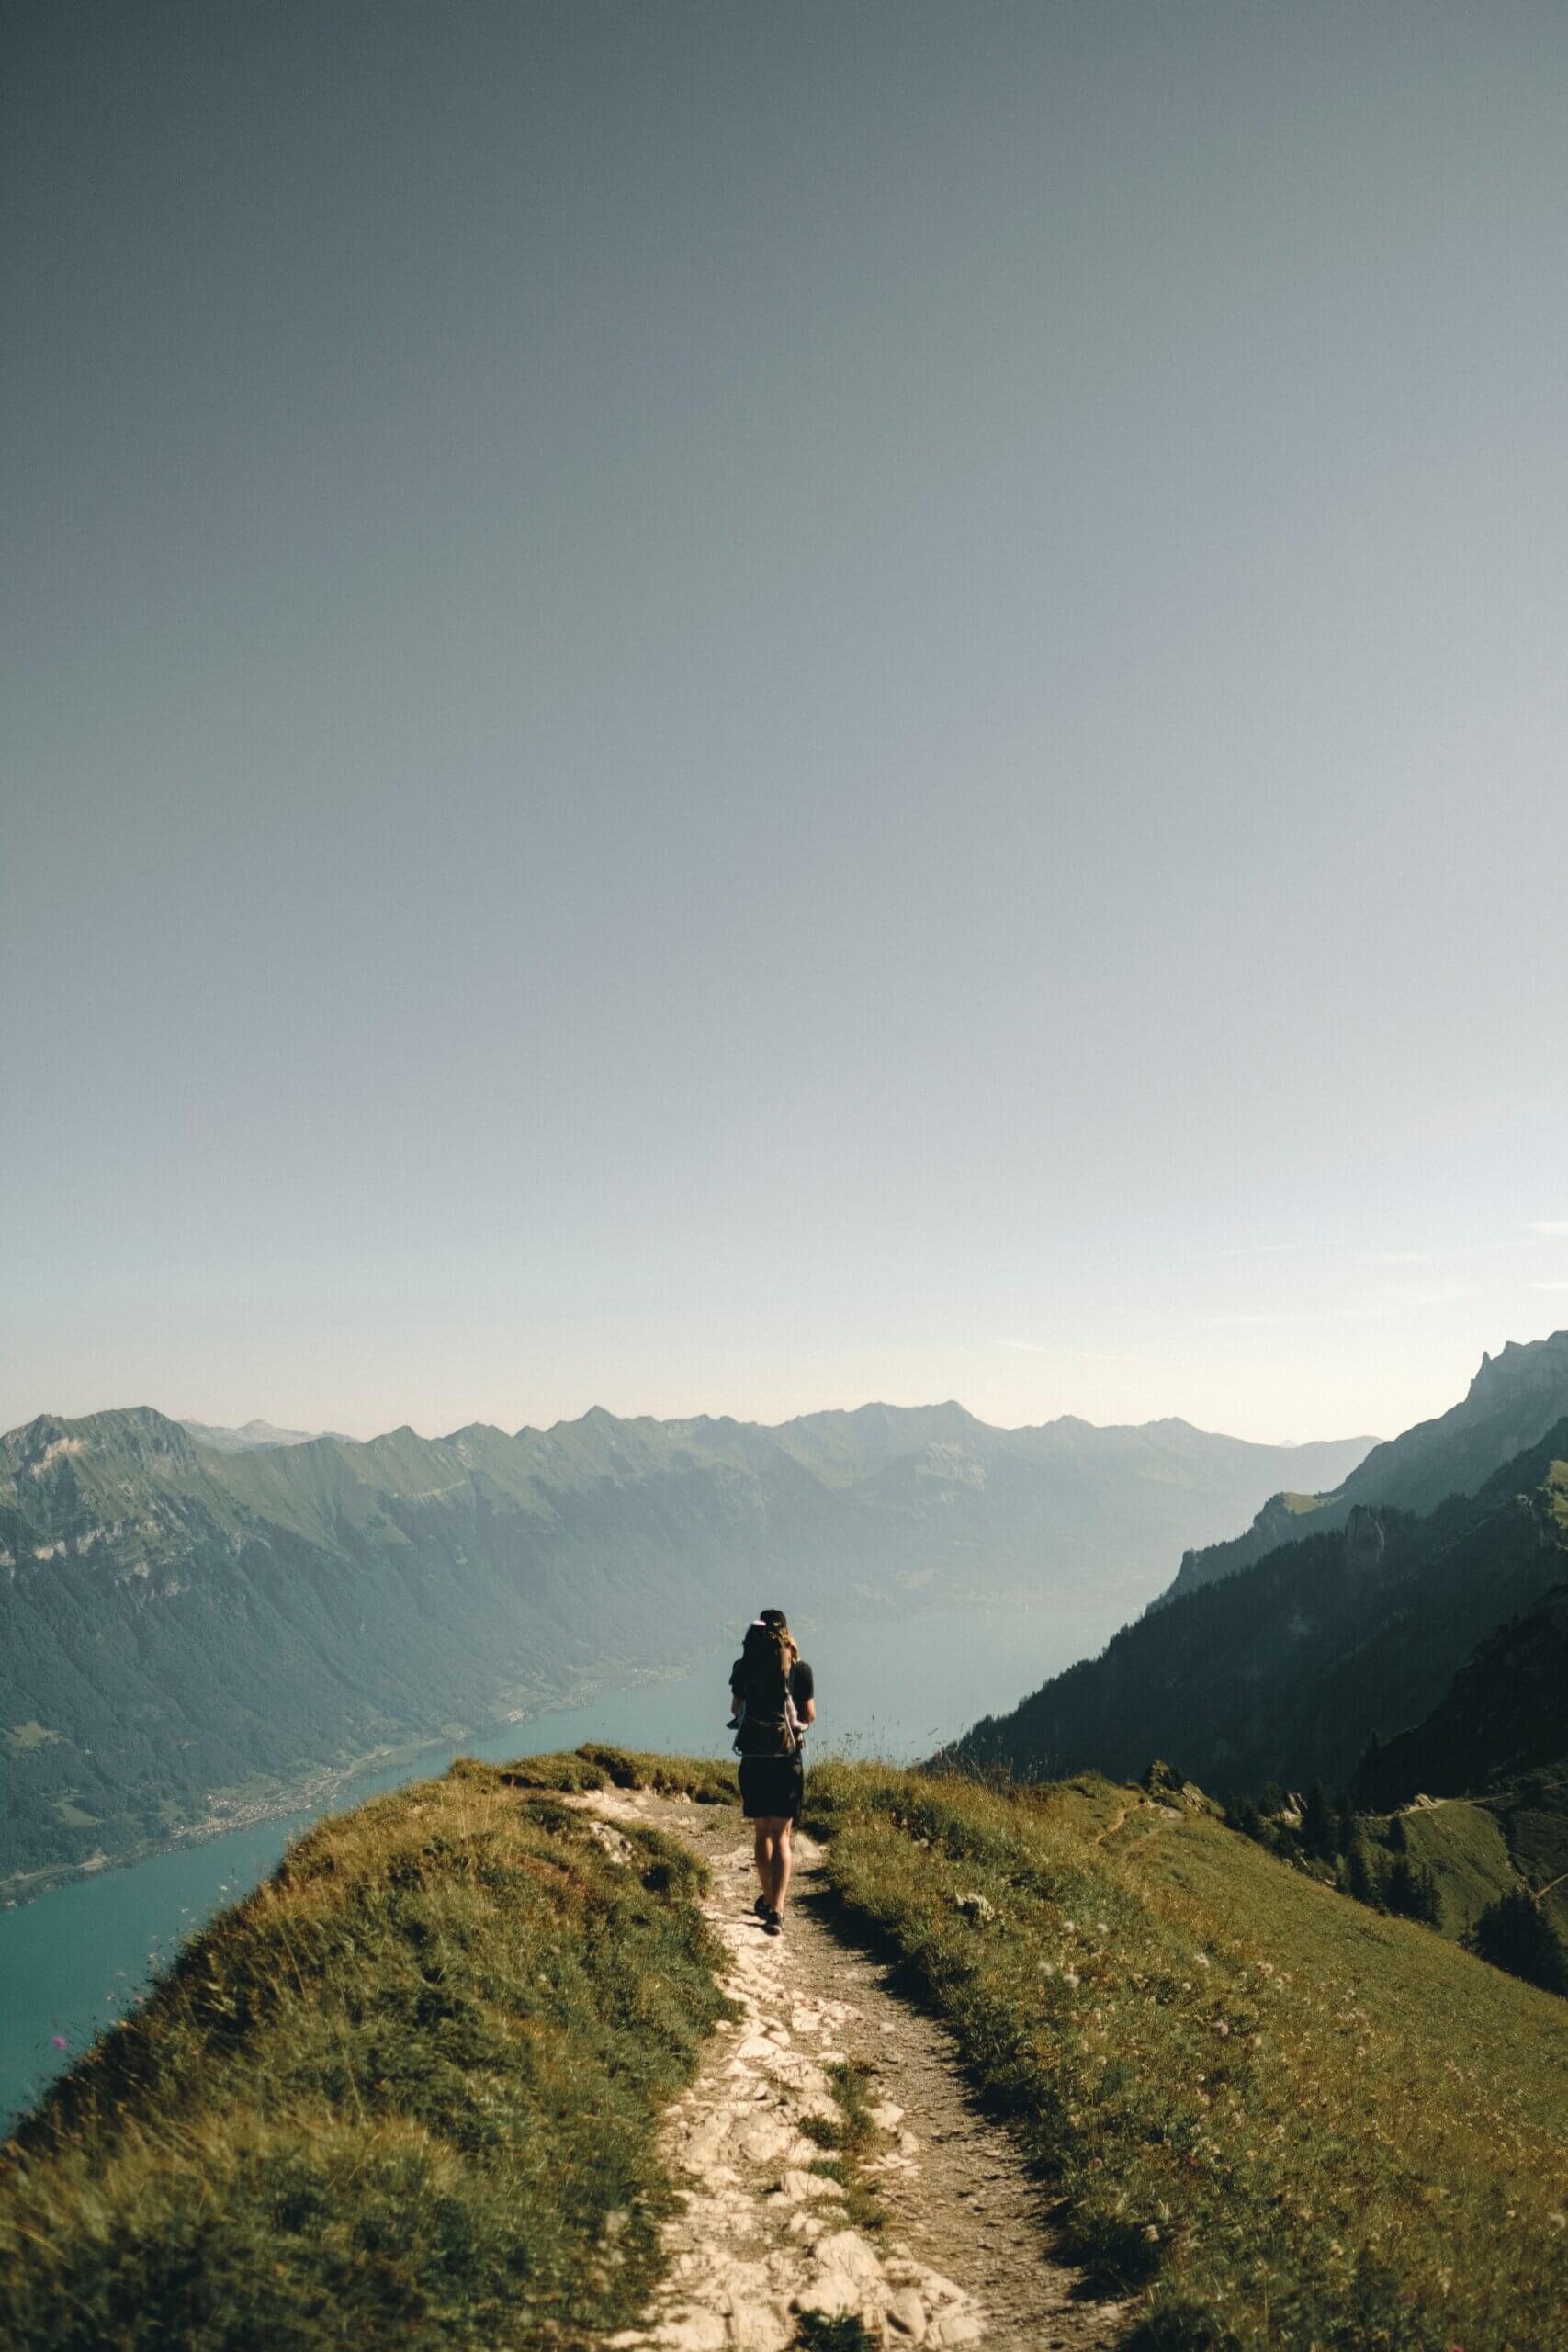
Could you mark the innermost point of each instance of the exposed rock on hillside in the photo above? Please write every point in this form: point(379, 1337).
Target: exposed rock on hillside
point(1288, 1668)
point(1511, 1403)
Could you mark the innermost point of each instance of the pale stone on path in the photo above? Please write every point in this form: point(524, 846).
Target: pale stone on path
point(757, 2327)
point(907, 2315)
point(797, 2185)
point(955, 2328)
point(760, 2234)
point(693, 2332)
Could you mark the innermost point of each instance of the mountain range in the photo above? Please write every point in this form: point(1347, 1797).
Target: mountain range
point(253, 1434)
point(1381, 1615)
point(190, 1629)
point(1511, 1403)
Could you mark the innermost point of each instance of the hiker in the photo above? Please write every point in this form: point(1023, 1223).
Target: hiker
point(773, 1695)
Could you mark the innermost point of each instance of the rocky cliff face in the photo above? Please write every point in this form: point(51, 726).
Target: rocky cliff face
point(1514, 1400)
point(1288, 1669)
point(1520, 1374)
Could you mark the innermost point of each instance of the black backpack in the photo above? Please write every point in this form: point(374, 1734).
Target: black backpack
point(769, 1724)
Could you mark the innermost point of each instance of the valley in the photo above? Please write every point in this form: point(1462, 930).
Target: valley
point(192, 1634)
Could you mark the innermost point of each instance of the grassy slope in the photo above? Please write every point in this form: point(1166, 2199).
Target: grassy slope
point(1463, 1845)
point(406, 2093)
point(403, 2094)
point(1477, 1848)
point(1293, 2121)
point(1287, 1668)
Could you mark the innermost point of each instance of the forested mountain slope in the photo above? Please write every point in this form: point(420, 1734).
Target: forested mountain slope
point(179, 1622)
point(1288, 1668)
point(1505, 1713)
point(1513, 1400)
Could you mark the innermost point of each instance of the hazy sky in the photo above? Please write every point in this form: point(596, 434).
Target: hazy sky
point(734, 707)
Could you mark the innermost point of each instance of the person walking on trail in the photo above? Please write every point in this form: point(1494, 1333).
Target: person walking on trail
point(773, 1697)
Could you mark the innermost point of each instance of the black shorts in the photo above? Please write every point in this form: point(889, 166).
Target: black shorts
point(772, 1787)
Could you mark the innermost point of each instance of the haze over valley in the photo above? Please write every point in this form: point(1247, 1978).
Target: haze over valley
point(194, 1628)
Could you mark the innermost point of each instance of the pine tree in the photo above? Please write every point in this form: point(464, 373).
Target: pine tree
point(1358, 1879)
point(1318, 1824)
point(1344, 1823)
point(1396, 1836)
point(1412, 1891)
point(1242, 1815)
point(1515, 1934)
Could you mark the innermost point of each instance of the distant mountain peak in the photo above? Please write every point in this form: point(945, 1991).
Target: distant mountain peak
point(1514, 1397)
point(254, 1435)
point(135, 1432)
point(1519, 1367)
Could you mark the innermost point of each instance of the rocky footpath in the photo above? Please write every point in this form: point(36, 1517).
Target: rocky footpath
point(763, 2240)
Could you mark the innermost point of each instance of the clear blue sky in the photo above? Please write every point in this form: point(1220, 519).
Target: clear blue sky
point(736, 708)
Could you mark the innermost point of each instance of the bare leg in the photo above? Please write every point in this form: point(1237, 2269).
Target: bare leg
point(774, 1859)
point(763, 1846)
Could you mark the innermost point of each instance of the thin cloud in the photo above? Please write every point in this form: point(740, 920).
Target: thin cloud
point(1028, 1347)
point(1391, 1299)
point(1558, 1224)
point(1267, 1249)
point(1256, 1322)
point(1427, 1293)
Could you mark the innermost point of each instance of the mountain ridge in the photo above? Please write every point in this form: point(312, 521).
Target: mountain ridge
point(1291, 1666)
point(1513, 1398)
point(182, 1628)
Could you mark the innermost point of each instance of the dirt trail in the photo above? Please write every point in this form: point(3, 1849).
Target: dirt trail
point(761, 2239)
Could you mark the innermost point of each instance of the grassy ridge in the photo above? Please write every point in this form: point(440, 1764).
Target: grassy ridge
point(404, 2094)
point(1286, 2121)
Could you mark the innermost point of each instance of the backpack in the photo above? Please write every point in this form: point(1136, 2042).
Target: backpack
point(769, 1724)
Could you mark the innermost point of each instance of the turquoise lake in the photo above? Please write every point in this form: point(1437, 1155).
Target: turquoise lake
point(73, 1960)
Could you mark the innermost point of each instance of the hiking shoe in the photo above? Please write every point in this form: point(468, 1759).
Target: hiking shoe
point(773, 1924)
point(761, 1907)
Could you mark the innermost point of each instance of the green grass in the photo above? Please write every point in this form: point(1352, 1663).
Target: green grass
point(405, 2094)
point(1463, 1845)
point(849, 2137)
point(816, 2332)
point(1275, 2118)
point(595, 1766)
point(66, 1809)
point(1534, 1817)
point(22, 1738)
